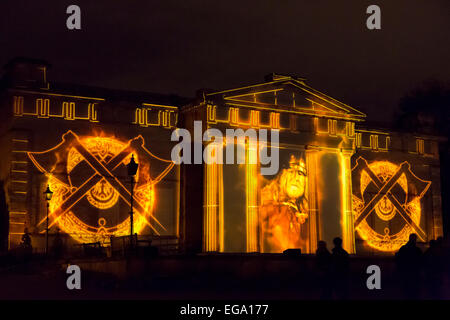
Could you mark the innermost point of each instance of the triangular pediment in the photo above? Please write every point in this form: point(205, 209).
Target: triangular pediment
point(287, 94)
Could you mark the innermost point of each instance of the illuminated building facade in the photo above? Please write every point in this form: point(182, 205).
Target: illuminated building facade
point(336, 178)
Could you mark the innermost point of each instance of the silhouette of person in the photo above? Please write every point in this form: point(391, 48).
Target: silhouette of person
point(26, 239)
point(444, 252)
point(323, 266)
point(409, 264)
point(57, 245)
point(26, 242)
point(340, 269)
point(433, 269)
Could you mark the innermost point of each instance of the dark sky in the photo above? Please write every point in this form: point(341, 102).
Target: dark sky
point(180, 46)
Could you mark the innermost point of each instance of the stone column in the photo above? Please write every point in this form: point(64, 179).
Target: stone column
point(252, 208)
point(311, 168)
point(213, 208)
point(348, 230)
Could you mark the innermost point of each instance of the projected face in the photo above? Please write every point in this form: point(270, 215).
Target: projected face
point(293, 179)
point(284, 208)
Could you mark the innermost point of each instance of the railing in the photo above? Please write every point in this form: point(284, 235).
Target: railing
point(150, 245)
point(94, 249)
point(167, 245)
point(120, 245)
point(110, 246)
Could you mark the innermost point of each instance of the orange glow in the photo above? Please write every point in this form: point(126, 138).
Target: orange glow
point(102, 190)
point(68, 109)
point(385, 175)
point(252, 197)
point(284, 207)
point(213, 209)
point(166, 118)
point(347, 223)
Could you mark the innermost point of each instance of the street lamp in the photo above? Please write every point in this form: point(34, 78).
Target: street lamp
point(132, 169)
point(47, 196)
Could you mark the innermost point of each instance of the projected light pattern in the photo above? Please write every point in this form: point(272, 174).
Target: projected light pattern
point(284, 207)
point(386, 204)
point(94, 169)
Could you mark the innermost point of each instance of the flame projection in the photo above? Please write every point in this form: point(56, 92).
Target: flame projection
point(284, 208)
point(92, 190)
point(386, 203)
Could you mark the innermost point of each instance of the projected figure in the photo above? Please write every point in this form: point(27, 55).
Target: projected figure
point(284, 208)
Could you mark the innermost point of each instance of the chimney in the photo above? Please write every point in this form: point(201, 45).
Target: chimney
point(26, 73)
point(276, 77)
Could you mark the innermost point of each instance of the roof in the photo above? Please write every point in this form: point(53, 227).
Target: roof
point(26, 60)
point(119, 95)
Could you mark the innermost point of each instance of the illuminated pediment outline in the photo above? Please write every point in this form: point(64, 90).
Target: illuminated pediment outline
point(286, 94)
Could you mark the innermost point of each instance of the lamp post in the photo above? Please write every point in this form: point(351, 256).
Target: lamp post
point(47, 196)
point(132, 169)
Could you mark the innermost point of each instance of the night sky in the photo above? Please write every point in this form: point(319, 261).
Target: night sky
point(181, 46)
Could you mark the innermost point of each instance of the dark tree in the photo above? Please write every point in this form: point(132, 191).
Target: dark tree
point(426, 110)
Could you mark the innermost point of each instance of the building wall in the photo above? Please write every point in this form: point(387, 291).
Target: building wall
point(330, 149)
point(239, 213)
point(36, 124)
point(334, 177)
point(417, 189)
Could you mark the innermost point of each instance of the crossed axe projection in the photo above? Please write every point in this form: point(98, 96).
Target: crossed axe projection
point(384, 190)
point(103, 171)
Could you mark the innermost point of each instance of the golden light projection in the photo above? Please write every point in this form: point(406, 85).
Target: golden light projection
point(91, 189)
point(284, 207)
point(390, 192)
point(251, 182)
